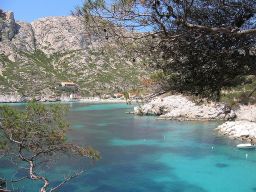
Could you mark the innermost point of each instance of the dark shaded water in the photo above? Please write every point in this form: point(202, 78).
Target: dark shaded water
point(142, 154)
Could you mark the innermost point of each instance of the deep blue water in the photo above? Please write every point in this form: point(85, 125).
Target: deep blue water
point(143, 154)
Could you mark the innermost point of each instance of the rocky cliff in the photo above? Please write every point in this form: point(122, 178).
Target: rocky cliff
point(37, 56)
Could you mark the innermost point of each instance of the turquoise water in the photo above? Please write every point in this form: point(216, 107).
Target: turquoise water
point(143, 154)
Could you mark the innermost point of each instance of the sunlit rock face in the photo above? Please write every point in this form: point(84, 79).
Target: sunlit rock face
point(38, 55)
point(55, 34)
point(183, 108)
point(51, 35)
point(242, 130)
point(15, 36)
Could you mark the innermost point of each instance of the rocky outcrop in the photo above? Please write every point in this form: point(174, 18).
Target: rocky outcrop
point(180, 107)
point(50, 35)
point(8, 29)
point(242, 130)
point(23, 41)
point(60, 34)
point(10, 98)
point(246, 113)
point(8, 26)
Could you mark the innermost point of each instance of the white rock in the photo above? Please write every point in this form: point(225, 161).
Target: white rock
point(10, 98)
point(180, 107)
point(238, 129)
point(247, 113)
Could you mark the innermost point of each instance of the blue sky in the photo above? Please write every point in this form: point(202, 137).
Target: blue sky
point(29, 10)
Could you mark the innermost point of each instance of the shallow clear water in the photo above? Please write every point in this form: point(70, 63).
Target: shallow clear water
point(143, 154)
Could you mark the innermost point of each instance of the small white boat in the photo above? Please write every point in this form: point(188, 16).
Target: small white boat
point(246, 146)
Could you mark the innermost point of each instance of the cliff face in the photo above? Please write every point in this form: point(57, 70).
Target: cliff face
point(60, 34)
point(50, 35)
point(8, 25)
point(37, 56)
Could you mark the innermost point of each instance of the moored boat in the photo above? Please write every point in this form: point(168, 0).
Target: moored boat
point(246, 146)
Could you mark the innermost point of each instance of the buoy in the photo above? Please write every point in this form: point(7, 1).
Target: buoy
point(212, 147)
point(246, 155)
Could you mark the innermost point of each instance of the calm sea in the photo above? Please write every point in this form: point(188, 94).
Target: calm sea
point(143, 154)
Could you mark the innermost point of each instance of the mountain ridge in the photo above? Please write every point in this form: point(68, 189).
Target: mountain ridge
point(36, 56)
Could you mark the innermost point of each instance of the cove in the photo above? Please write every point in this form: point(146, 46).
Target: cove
point(143, 154)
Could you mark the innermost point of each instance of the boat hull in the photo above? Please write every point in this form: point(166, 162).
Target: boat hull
point(246, 146)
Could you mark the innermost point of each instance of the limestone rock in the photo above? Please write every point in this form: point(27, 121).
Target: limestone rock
point(247, 113)
point(58, 34)
point(243, 130)
point(24, 40)
point(7, 26)
point(180, 107)
point(10, 98)
point(15, 37)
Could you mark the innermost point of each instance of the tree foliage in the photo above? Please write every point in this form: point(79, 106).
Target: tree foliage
point(35, 135)
point(204, 45)
point(204, 64)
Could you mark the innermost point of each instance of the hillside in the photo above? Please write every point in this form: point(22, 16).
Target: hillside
point(36, 56)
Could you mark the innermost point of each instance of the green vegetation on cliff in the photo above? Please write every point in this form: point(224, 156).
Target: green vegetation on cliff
point(103, 70)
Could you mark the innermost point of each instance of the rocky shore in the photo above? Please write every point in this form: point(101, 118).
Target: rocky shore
point(20, 99)
point(182, 108)
point(23, 99)
point(244, 126)
point(10, 98)
point(241, 123)
point(242, 130)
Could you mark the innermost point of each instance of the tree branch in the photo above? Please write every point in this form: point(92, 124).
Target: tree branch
point(220, 29)
point(9, 136)
point(52, 149)
point(66, 180)
point(33, 176)
point(246, 32)
point(17, 180)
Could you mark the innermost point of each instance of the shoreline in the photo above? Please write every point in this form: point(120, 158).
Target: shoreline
point(82, 100)
point(179, 107)
point(238, 130)
point(239, 124)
